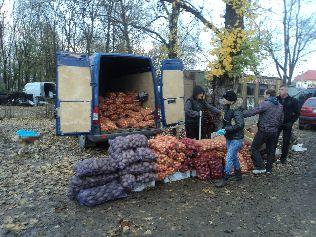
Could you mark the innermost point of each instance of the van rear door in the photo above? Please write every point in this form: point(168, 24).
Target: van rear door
point(172, 92)
point(73, 94)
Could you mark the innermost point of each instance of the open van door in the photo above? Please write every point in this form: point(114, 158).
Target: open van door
point(73, 94)
point(172, 92)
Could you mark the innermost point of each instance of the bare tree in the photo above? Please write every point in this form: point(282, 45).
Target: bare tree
point(298, 34)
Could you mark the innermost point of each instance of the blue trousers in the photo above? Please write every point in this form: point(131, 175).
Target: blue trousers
point(233, 146)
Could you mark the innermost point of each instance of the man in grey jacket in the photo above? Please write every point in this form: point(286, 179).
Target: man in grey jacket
point(270, 119)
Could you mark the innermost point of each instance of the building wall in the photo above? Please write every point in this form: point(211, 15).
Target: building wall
point(305, 84)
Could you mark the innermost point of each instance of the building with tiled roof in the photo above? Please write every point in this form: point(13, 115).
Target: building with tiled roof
point(306, 80)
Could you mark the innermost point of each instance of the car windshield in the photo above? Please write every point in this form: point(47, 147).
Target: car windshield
point(310, 103)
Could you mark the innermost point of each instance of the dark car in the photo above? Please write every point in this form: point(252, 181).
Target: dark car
point(308, 113)
point(303, 95)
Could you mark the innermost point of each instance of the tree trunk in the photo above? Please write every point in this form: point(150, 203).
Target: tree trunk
point(125, 28)
point(173, 31)
point(225, 82)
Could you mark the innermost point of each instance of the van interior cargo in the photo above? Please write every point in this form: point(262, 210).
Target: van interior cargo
point(129, 75)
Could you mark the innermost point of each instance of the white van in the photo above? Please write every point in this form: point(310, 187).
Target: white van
point(40, 90)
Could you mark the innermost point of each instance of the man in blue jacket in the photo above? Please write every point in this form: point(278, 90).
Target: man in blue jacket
point(270, 119)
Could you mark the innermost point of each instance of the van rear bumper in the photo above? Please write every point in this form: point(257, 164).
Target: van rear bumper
point(103, 137)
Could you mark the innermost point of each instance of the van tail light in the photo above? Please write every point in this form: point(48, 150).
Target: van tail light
point(95, 116)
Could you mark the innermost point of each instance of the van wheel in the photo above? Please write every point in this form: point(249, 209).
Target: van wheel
point(84, 142)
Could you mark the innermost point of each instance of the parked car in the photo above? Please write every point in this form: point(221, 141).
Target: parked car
point(82, 80)
point(303, 95)
point(308, 113)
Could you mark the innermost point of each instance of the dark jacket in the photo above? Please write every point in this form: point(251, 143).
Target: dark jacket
point(233, 123)
point(270, 115)
point(290, 108)
point(193, 107)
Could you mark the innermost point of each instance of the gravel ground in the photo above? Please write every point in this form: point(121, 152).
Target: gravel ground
point(33, 198)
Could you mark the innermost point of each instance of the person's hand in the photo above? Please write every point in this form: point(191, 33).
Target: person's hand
point(221, 132)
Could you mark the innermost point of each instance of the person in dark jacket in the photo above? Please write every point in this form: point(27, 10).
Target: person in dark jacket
point(192, 108)
point(270, 119)
point(291, 114)
point(233, 129)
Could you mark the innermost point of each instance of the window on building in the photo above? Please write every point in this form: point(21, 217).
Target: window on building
point(262, 88)
point(250, 89)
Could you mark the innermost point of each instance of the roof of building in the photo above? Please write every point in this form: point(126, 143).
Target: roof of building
point(309, 75)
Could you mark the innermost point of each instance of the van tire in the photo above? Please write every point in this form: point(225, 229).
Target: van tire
point(84, 142)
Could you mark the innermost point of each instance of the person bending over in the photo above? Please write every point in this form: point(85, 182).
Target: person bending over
point(270, 119)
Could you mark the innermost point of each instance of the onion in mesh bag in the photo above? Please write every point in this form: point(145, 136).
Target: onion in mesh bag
point(78, 183)
point(101, 194)
point(94, 166)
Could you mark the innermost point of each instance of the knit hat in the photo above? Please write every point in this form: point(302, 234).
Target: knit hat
point(198, 90)
point(230, 96)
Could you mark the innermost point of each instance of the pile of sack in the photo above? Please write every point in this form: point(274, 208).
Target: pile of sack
point(123, 110)
point(209, 162)
point(213, 153)
point(192, 150)
point(136, 162)
point(170, 154)
point(97, 181)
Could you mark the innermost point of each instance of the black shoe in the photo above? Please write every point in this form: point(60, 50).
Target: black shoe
point(238, 175)
point(222, 182)
point(283, 161)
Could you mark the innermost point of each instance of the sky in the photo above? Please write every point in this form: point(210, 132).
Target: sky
point(213, 10)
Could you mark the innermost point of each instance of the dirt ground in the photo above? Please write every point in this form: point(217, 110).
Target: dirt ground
point(33, 198)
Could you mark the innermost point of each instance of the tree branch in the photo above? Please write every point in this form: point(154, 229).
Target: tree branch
point(162, 40)
point(189, 8)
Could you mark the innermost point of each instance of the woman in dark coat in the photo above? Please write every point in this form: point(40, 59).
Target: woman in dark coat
point(192, 108)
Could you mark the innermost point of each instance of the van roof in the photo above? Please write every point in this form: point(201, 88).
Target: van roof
point(121, 55)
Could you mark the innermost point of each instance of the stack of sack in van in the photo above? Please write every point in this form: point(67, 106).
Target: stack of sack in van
point(97, 181)
point(123, 110)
